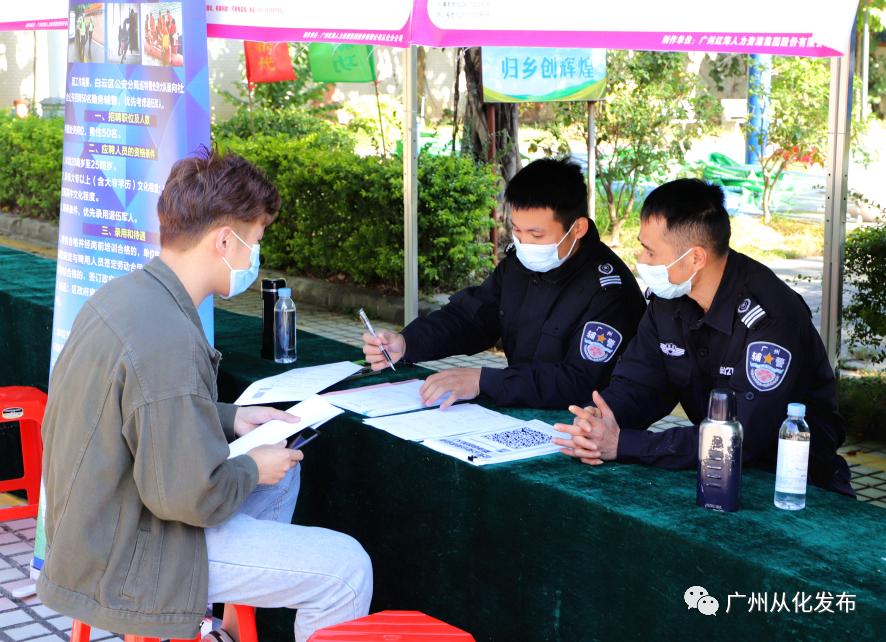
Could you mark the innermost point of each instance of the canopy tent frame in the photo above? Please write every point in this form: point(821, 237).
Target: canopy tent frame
point(421, 29)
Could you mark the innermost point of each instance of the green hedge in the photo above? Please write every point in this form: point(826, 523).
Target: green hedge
point(866, 270)
point(342, 214)
point(292, 122)
point(31, 171)
point(861, 405)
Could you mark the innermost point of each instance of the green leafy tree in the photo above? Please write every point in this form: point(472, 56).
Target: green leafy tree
point(797, 109)
point(866, 270)
point(875, 13)
point(655, 107)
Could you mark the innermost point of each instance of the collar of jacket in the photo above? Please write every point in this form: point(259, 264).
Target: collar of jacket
point(588, 249)
point(168, 279)
point(721, 314)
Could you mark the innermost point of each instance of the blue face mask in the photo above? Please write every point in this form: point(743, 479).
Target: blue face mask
point(241, 279)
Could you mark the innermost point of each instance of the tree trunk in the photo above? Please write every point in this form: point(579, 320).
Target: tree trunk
point(766, 198)
point(499, 148)
point(615, 224)
point(507, 154)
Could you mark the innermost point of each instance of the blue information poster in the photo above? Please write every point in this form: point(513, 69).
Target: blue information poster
point(137, 100)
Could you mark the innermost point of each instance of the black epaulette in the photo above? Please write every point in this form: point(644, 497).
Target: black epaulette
point(750, 312)
point(608, 276)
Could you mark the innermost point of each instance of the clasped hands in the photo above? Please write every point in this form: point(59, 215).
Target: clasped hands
point(594, 433)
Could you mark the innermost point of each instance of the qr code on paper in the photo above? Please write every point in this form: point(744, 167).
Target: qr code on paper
point(520, 438)
point(473, 449)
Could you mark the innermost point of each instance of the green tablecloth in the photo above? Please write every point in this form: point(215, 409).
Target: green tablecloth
point(546, 549)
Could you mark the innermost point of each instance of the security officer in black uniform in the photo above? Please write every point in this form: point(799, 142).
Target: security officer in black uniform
point(716, 319)
point(563, 304)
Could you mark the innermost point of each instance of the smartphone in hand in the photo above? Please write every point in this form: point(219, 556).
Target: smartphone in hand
point(302, 438)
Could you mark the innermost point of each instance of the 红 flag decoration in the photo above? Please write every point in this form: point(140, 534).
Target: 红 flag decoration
point(267, 62)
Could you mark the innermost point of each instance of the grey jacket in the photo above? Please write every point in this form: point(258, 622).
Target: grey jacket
point(135, 461)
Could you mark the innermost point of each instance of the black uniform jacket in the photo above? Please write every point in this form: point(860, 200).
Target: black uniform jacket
point(757, 338)
point(562, 330)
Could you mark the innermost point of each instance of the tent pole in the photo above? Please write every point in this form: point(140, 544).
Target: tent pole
point(839, 126)
point(592, 163)
point(410, 184)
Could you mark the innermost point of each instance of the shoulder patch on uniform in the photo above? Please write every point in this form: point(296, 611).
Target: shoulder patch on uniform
point(612, 279)
point(605, 268)
point(599, 342)
point(750, 312)
point(766, 364)
point(672, 349)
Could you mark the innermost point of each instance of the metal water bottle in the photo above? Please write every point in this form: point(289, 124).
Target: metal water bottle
point(719, 454)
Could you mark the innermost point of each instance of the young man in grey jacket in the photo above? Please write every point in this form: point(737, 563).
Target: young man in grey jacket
point(146, 517)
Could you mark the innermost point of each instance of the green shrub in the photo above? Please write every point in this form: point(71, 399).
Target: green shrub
point(342, 214)
point(861, 405)
point(31, 174)
point(294, 122)
point(866, 270)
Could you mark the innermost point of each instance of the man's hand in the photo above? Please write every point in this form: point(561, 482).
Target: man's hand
point(249, 418)
point(460, 383)
point(594, 433)
point(394, 343)
point(274, 461)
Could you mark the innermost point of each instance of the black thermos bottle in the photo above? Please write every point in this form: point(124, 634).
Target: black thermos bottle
point(269, 289)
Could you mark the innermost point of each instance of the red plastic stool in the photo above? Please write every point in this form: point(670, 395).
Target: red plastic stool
point(245, 623)
point(403, 626)
point(26, 406)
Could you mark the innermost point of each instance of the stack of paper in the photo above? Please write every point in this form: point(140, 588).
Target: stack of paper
point(296, 384)
point(382, 399)
point(493, 446)
point(436, 424)
point(312, 412)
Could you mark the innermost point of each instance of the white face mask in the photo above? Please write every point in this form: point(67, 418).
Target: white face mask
point(657, 279)
point(542, 258)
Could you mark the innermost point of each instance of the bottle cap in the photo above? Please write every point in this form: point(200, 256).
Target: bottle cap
point(284, 291)
point(721, 405)
point(796, 410)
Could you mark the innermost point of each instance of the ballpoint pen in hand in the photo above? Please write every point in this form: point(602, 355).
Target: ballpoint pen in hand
point(365, 320)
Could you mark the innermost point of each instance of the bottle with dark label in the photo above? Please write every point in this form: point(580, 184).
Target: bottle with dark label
point(269, 288)
point(719, 454)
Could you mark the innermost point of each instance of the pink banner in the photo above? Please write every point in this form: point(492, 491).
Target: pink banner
point(426, 32)
point(34, 25)
point(293, 34)
point(786, 27)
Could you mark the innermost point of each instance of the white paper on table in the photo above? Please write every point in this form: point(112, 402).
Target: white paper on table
point(296, 384)
point(436, 424)
point(312, 412)
point(521, 441)
point(382, 399)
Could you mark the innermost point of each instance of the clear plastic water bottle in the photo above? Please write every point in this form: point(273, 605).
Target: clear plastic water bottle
point(284, 327)
point(793, 459)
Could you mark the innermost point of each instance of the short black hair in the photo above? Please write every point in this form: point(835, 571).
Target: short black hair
point(558, 184)
point(693, 209)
